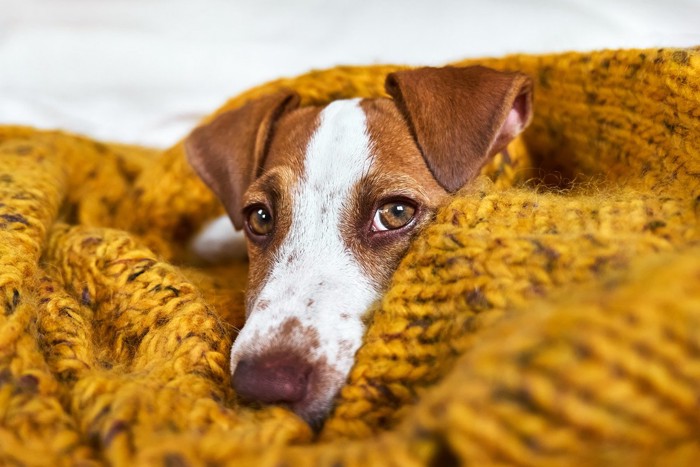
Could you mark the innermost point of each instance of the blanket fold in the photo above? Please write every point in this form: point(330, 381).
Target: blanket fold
point(549, 315)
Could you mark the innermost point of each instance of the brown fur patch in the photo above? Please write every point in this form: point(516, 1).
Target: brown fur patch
point(398, 172)
point(229, 152)
point(293, 330)
point(460, 116)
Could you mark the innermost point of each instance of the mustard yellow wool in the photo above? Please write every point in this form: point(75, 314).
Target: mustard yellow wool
point(550, 315)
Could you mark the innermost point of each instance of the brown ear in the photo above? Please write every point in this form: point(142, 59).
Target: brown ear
point(460, 117)
point(229, 152)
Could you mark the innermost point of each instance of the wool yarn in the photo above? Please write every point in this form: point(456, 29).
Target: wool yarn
point(550, 315)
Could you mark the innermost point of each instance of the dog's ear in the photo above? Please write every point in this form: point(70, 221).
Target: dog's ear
point(460, 117)
point(229, 152)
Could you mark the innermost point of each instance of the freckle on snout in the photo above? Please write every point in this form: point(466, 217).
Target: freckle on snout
point(263, 304)
point(292, 257)
point(293, 329)
point(345, 346)
point(310, 302)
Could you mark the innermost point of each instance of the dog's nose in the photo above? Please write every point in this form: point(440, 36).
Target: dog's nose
point(272, 379)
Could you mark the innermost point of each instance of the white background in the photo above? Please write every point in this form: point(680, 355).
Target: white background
point(144, 71)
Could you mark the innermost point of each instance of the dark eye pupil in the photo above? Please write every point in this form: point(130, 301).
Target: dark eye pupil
point(260, 221)
point(398, 210)
point(263, 216)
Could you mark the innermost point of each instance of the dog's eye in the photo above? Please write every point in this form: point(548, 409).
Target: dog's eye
point(392, 216)
point(259, 221)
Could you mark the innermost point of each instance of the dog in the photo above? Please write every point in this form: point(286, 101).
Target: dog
point(329, 198)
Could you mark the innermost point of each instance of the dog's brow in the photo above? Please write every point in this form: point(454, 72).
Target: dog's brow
point(267, 188)
point(381, 185)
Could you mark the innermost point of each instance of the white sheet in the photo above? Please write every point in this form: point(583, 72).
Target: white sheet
point(144, 71)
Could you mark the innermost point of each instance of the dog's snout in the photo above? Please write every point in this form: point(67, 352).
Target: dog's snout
point(272, 379)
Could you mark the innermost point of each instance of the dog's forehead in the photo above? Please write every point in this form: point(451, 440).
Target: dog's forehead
point(291, 137)
point(392, 148)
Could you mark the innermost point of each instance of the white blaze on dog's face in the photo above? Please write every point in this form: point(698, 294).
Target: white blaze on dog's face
point(330, 198)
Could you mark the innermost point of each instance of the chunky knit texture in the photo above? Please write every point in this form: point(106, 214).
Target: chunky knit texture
point(550, 315)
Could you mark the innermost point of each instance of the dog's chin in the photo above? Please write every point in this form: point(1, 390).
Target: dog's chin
point(315, 408)
point(315, 418)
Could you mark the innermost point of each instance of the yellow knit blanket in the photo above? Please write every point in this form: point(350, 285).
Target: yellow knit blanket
point(547, 316)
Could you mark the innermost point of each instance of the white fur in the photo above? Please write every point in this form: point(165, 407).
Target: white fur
point(219, 241)
point(324, 280)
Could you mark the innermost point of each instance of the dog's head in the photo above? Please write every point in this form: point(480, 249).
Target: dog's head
point(330, 198)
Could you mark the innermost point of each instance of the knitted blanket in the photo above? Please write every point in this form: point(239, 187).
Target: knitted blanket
point(550, 314)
